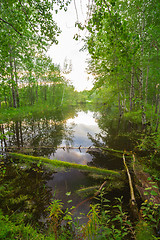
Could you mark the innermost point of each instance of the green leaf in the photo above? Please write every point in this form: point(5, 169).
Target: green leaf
point(146, 193)
point(154, 193)
point(68, 193)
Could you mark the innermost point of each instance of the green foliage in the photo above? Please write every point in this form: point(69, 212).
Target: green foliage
point(37, 110)
point(103, 224)
point(60, 220)
point(144, 231)
point(150, 142)
point(124, 55)
point(106, 220)
point(151, 213)
point(27, 30)
point(151, 218)
point(17, 229)
point(134, 116)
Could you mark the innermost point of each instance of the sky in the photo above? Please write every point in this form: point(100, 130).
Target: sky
point(69, 48)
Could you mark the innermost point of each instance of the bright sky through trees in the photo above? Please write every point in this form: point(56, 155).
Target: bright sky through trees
point(69, 48)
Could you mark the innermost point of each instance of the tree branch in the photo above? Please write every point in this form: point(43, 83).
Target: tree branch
point(11, 26)
point(107, 7)
point(24, 10)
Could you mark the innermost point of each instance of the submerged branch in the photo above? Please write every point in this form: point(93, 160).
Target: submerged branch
point(89, 198)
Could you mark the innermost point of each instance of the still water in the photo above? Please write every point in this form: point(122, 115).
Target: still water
point(66, 138)
point(79, 127)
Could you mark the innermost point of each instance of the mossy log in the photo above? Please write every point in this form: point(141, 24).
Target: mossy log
point(87, 190)
point(147, 188)
point(58, 163)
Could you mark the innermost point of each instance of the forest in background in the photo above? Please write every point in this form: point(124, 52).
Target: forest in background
point(123, 43)
point(27, 75)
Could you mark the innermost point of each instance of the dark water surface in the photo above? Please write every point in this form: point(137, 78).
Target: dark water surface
point(56, 135)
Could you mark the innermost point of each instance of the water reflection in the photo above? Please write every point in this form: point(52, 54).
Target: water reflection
point(83, 124)
point(70, 181)
point(44, 135)
point(73, 156)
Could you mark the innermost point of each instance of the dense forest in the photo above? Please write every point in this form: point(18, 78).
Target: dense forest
point(27, 74)
point(36, 100)
point(124, 48)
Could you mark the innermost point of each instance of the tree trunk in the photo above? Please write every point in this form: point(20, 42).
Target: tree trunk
point(157, 98)
point(141, 98)
point(119, 101)
point(132, 89)
point(17, 134)
point(147, 76)
point(5, 99)
point(37, 92)
point(63, 95)
point(15, 74)
point(158, 116)
point(13, 83)
point(133, 203)
point(142, 27)
point(21, 134)
point(146, 87)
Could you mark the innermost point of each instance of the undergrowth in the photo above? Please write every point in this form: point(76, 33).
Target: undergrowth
point(105, 221)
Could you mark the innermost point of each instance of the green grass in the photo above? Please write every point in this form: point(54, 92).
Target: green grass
point(23, 112)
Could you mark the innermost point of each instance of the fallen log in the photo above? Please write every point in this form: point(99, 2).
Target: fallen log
point(89, 149)
point(133, 200)
point(133, 203)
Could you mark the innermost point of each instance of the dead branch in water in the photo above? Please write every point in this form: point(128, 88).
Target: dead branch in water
point(133, 203)
point(87, 199)
point(133, 200)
